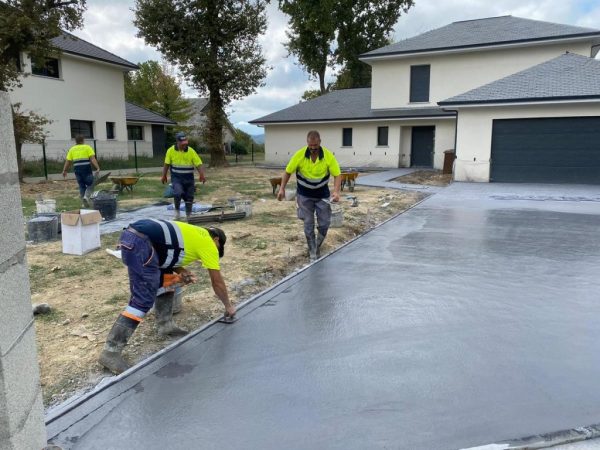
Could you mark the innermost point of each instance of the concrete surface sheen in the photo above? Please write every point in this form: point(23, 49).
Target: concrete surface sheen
point(468, 320)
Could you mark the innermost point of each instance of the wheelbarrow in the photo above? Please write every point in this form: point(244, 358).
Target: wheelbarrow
point(349, 178)
point(121, 184)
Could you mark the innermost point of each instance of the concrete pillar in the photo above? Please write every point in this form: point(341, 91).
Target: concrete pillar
point(21, 409)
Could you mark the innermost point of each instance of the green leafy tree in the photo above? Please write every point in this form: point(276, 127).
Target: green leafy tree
point(311, 35)
point(28, 26)
point(329, 33)
point(310, 94)
point(28, 127)
point(154, 88)
point(215, 45)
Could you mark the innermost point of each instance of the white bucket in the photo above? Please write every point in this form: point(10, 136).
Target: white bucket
point(290, 194)
point(337, 216)
point(45, 206)
point(243, 206)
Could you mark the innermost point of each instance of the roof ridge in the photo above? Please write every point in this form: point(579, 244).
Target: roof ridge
point(484, 18)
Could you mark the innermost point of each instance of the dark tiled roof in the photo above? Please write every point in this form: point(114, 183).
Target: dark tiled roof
point(135, 113)
point(346, 104)
point(567, 77)
point(69, 43)
point(482, 33)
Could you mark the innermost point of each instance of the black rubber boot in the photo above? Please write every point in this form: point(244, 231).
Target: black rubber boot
point(177, 205)
point(320, 239)
point(312, 247)
point(111, 357)
point(163, 309)
point(188, 209)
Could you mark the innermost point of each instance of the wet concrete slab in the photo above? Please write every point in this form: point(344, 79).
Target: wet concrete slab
point(470, 319)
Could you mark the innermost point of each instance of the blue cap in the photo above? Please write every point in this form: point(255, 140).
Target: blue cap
point(180, 136)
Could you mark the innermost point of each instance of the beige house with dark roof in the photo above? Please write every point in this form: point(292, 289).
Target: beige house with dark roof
point(420, 87)
point(197, 123)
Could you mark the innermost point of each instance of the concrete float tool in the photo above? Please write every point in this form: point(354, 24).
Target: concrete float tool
point(228, 319)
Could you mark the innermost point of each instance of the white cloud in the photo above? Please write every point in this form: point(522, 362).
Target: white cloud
point(109, 24)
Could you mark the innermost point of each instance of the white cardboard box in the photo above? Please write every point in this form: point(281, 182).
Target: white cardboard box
point(80, 231)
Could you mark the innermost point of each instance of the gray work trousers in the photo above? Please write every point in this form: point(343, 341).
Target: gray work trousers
point(307, 207)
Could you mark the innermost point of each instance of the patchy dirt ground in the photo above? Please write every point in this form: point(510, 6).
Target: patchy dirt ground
point(426, 177)
point(87, 292)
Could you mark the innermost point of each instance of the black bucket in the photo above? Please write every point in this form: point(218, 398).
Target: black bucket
point(106, 204)
point(57, 215)
point(42, 228)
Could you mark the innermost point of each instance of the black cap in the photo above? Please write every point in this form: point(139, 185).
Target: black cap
point(180, 136)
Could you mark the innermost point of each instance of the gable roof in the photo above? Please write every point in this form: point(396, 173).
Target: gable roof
point(135, 113)
point(488, 32)
point(567, 77)
point(344, 105)
point(198, 103)
point(69, 43)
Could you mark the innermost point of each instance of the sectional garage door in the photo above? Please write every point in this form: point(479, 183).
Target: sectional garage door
point(554, 150)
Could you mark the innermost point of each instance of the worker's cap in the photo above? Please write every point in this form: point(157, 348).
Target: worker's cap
point(217, 232)
point(180, 136)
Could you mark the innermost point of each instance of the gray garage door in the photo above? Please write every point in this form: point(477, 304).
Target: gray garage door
point(556, 150)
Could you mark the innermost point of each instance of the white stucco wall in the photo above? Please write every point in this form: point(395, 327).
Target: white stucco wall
point(87, 90)
point(455, 73)
point(282, 141)
point(474, 136)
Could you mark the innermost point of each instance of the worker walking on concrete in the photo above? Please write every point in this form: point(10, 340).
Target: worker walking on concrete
point(313, 166)
point(182, 159)
point(82, 157)
point(156, 253)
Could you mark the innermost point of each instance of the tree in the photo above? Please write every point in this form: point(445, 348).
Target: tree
point(327, 33)
point(28, 26)
point(310, 94)
point(311, 35)
point(215, 45)
point(28, 127)
point(154, 88)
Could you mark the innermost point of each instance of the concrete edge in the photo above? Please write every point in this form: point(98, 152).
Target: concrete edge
point(55, 413)
point(545, 440)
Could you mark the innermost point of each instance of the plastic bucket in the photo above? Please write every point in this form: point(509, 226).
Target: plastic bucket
point(42, 228)
point(290, 194)
point(337, 216)
point(244, 206)
point(45, 206)
point(107, 205)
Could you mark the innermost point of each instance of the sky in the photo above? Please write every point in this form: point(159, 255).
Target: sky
point(109, 24)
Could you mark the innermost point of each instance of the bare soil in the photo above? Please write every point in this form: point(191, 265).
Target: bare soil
point(88, 292)
point(426, 177)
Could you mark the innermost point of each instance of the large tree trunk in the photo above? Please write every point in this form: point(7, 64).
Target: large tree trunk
point(214, 138)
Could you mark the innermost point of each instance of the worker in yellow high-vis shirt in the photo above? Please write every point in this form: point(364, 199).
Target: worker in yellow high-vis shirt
point(82, 157)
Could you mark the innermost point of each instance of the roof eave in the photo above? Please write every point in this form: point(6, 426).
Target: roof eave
point(106, 61)
point(365, 57)
point(352, 119)
point(517, 101)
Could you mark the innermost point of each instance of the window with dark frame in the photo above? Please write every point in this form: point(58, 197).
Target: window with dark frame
point(382, 136)
point(419, 83)
point(84, 128)
point(110, 130)
point(346, 137)
point(47, 67)
point(135, 132)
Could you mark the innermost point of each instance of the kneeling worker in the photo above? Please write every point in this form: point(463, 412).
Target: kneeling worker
point(155, 253)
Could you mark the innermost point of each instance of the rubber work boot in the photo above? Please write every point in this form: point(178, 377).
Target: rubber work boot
point(188, 209)
point(163, 309)
point(320, 239)
point(312, 247)
point(118, 336)
point(177, 299)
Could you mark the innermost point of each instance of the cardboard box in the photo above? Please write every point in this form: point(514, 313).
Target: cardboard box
point(80, 231)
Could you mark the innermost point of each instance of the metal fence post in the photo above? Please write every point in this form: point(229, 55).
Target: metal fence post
point(45, 162)
point(252, 146)
point(135, 155)
point(95, 149)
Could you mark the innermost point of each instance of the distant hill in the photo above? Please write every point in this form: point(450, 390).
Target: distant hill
point(259, 138)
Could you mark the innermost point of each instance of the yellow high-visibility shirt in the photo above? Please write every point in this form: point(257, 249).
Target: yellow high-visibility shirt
point(182, 163)
point(80, 154)
point(198, 245)
point(312, 176)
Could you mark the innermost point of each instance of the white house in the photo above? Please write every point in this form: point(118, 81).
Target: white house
point(82, 92)
point(518, 99)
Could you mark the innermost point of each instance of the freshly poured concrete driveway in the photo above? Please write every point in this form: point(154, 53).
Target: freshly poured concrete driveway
point(471, 319)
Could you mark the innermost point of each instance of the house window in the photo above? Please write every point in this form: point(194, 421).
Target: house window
point(84, 128)
point(135, 132)
point(46, 67)
point(382, 136)
point(419, 83)
point(346, 137)
point(110, 130)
